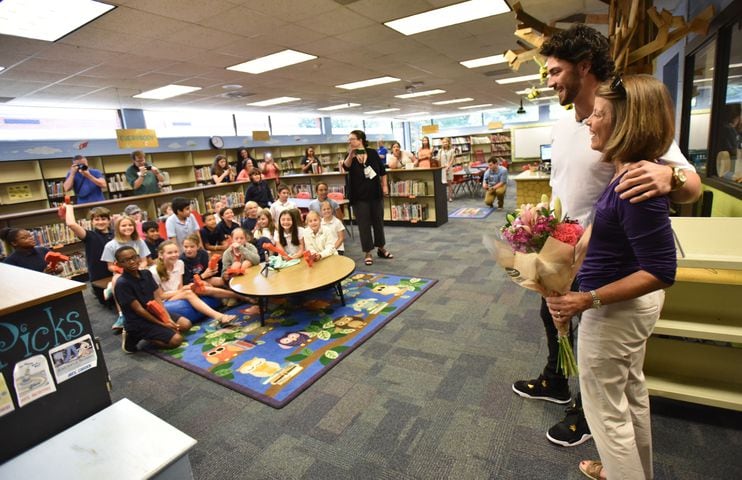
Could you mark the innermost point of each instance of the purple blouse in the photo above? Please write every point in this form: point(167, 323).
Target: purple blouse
point(628, 237)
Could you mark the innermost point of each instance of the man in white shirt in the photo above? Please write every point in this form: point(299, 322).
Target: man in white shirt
point(578, 61)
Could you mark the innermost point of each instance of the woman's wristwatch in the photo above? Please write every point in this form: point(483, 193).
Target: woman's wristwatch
point(596, 299)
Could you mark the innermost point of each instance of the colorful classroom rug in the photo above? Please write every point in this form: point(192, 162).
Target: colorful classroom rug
point(475, 213)
point(303, 338)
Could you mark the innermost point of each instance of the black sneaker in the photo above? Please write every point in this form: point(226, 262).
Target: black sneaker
point(542, 389)
point(128, 343)
point(571, 431)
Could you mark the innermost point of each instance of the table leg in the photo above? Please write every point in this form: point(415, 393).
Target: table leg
point(263, 305)
point(339, 290)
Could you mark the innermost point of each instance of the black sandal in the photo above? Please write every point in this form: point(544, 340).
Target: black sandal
point(383, 253)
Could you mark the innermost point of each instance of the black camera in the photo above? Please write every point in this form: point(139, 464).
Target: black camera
point(81, 167)
point(148, 167)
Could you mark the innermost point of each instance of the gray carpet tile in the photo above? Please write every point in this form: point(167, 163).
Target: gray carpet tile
point(428, 397)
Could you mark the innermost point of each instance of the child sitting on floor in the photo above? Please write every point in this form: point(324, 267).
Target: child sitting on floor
point(317, 239)
point(134, 290)
point(168, 273)
point(212, 239)
point(283, 202)
point(152, 237)
point(251, 216)
point(25, 252)
point(289, 233)
point(334, 225)
point(239, 256)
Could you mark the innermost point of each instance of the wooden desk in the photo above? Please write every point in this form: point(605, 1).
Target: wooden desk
point(529, 186)
point(292, 280)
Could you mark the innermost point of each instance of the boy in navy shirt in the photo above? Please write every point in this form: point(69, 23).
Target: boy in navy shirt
point(94, 240)
point(152, 237)
point(258, 190)
point(134, 289)
point(25, 252)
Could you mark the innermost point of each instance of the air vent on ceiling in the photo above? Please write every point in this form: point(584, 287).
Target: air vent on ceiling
point(6, 99)
point(237, 94)
point(495, 73)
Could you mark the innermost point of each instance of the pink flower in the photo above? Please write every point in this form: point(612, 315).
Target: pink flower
point(568, 233)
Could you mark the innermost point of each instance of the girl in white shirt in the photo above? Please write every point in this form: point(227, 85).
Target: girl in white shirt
point(290, 233)
point(168, 273)
point(317, 239)
point(265, 226)
point(334, 226)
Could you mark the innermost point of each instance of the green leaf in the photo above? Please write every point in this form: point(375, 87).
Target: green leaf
point(199, 341)
point(296, 358)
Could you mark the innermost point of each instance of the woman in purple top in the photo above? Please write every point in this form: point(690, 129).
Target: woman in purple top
point(630, 259)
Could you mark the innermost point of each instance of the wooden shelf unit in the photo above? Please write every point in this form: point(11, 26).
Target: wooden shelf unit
point(494, 143)
point(400, 205)
point(696, 349)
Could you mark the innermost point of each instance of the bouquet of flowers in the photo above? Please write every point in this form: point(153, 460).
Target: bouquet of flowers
point(542, 251)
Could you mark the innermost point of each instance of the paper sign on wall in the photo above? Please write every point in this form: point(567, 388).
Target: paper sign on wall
point(73, 358)
point(261, 135)
point(494, 125)
point(429, 129)
point(136, 138)
point(19, 192)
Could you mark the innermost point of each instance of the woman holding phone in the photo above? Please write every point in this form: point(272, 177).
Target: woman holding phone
point(367, 187)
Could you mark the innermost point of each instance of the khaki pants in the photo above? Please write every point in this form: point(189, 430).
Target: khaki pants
point(611, 348)
point(489, 196)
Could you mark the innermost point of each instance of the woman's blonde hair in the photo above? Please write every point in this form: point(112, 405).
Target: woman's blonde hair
point(642, 116)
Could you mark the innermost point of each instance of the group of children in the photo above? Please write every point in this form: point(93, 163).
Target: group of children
point(149, 270)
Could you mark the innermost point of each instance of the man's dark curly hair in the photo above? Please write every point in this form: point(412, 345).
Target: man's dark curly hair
point(580, 43)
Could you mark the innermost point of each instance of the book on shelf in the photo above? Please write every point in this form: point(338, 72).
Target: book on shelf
point(203, 174)
point(406, 188)
point(55, 188)
point(57, 233)
point(75, 266)
point(336, 188)
point(409, 212)
point(301, 187)
point(117, 183)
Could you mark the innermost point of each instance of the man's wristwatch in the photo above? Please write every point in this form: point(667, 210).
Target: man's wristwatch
point(678, 179)
point(596, 299)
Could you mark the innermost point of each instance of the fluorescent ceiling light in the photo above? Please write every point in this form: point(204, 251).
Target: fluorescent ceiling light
point(168, 91)
point(421, 94)
point(2, 68)
point(447, 16)
point(273, 101)
point(382, 111)
point(339, 107)
point(414, 114)
point(455, 100)
point(367, 83)
point(483, 105)
point(272, 62)
point(481, 62)
point(524, 78)
point(47, 20)
point(526, 91)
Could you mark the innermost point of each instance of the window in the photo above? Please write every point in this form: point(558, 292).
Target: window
point(190, 123)
point(459, 121)
point(343, 125)
point(378, 126)
point(700, 107)
point(34, 123)
point(286, 124)
point(728, 155)
point(251, 122)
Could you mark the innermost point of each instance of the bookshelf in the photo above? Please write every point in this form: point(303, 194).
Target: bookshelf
point(480, 146)
point(416, 198)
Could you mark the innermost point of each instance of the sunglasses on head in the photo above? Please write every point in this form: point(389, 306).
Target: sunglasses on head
point(617, 85)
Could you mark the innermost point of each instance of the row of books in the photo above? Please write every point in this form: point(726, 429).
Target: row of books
point(499, 138)
point(55, 189)
point(410, 212)
point(75, 266)
point(57, 233)
point(118, 183)
point(231, 200)
point(500, 148)
point(203, 174)
point(408, 187)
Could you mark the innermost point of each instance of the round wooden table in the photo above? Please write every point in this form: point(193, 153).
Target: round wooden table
point(265, 283)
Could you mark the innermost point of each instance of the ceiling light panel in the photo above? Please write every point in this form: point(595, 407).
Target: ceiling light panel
point(273, 101)
point(421, 94)
point(483, 105)
point(367, 83)
point(416, 114)
point(526, 91)
point(447, 16)
point(523, 78)
point(455, 100)
point(272, 62)
point(339, 107)
point(47, 20)
point(372, 112)
point(168, 91)
point(481, 62)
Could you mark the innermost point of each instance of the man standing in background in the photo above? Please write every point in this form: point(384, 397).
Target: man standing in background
point(142, 177)
point(88, 183)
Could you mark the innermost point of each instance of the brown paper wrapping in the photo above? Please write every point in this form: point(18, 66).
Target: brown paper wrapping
point(549, 272)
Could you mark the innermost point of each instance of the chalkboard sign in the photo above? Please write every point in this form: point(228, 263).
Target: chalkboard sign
point(53, 373)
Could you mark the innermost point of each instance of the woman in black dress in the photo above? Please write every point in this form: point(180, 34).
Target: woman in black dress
point(367, 187)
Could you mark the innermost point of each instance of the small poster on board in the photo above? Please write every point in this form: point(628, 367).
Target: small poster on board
point(72, 358)
point(6, 401)
point(19, 192)
point(32, 379)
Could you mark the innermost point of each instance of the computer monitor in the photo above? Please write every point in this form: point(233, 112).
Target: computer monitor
point(546, 152)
